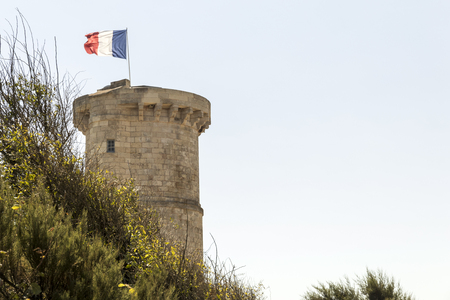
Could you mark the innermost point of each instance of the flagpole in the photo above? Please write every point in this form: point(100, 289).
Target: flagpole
point(128, 58)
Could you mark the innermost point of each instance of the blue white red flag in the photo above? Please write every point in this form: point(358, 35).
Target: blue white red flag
point(107, 43)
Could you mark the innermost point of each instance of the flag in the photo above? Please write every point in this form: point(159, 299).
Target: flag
point(107, 43)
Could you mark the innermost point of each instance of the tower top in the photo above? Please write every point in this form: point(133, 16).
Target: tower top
point(120, 100)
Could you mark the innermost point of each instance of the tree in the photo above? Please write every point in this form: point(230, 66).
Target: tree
point(372, 286)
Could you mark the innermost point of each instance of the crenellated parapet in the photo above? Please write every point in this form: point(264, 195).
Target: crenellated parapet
point(120, 101)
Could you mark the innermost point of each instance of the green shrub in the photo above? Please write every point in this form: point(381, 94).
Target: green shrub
point(44, 255)
point(371, 286)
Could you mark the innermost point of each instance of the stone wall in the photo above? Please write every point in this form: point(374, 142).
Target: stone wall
point(155, 133)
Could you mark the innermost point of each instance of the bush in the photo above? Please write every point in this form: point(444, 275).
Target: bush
point(371, 286)
point(44, 256)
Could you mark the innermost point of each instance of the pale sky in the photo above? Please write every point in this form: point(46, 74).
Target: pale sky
point(329, 148)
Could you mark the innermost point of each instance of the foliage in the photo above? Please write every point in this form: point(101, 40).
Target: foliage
point(372, 286)
point(43, 256)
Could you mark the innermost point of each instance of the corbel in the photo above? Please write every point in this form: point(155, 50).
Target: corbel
point(185, 113)
point(202, 121)
point(173, 112)
point(195, 117)
point(204, 127)
point(157, 111)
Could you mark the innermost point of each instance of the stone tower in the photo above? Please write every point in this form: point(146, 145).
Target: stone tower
point(151, 134)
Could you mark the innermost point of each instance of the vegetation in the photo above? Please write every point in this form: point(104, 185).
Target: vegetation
point(371, 286)
point(70, 230)
point(47, 256)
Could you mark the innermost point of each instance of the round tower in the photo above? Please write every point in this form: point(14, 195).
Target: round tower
point(151, 134)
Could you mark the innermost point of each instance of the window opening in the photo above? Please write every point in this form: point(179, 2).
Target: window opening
point(110, 147)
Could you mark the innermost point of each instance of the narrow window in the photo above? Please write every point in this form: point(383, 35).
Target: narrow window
point(110, 147)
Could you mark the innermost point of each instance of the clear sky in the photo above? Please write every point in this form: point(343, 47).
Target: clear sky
point(329, 149)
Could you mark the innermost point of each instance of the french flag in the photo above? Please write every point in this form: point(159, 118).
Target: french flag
point(107, 43)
